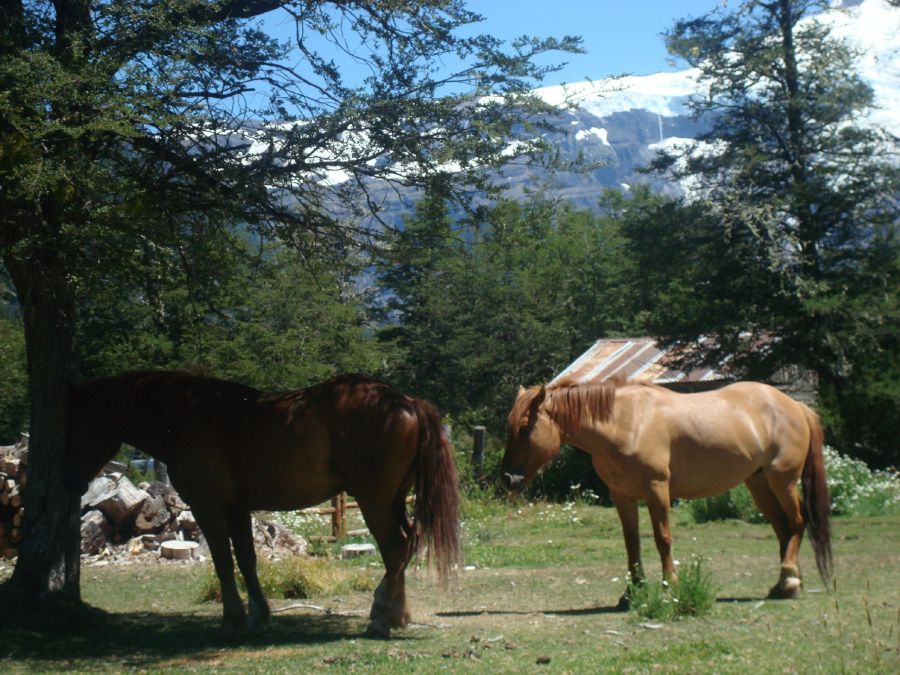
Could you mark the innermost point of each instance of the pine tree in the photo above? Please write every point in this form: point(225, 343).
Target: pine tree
point(799, 186)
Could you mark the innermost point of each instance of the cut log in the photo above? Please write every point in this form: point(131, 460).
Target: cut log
point(121, 506)
point(13, 467)
point(113, 466)
point(185, 521)
point(97, 488)
point(179, 550)
point(94, 528)
point(356, 550)
point(153, 516)
point(97, 517)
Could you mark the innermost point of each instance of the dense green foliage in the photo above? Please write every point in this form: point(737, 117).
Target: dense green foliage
point(13, 382)
point(285, 320)
point(476, 312)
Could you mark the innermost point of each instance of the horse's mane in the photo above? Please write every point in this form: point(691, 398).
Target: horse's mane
point(567, 401)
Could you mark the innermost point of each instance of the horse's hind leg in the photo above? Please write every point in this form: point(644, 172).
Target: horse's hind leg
point(784, 488)
point(214, 526)
point(768, 505)
point(389, 524)
point(240, 529)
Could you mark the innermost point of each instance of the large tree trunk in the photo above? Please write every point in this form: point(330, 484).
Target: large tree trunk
point(48, 563)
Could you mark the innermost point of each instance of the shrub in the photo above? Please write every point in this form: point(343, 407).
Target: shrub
point(298, 578)
point(570, 475)
point(857, 490)
point(489, 483)
point(692, 595)
point(736, 504)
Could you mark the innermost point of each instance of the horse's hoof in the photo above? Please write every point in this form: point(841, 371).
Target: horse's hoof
point(259, 617)
point(258, 626)
point(378, 628)
point(231, 632)
point(787, 589)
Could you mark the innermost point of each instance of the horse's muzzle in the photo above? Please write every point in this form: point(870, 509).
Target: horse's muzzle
point(512, 481)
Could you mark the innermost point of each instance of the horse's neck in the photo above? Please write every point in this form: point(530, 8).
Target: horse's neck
point(590, 434)
point(593, 434)
point(133, 421)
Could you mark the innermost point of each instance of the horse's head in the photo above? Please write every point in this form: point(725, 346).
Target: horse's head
point(89, 444)
point(532, 438)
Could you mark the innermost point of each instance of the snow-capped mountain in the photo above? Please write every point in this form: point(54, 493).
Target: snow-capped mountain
point(624, 121)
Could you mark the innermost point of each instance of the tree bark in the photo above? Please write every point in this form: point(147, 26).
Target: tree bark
point(48, 562)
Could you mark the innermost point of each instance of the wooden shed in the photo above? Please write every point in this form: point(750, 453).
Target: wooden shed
point(642, 359)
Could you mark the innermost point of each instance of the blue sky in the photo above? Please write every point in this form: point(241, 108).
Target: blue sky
point(619, 36)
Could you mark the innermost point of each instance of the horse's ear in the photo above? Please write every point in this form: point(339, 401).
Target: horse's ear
point(521, 391)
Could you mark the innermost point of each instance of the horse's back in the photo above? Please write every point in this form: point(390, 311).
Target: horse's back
point(331, 437)
point(719, 438)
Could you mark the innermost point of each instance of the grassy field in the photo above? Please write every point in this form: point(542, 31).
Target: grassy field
point(538, 595)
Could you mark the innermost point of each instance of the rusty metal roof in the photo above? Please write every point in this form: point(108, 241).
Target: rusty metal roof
point(638, 359)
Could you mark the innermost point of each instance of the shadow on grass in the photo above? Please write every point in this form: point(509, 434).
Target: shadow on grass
point(739, 600)
point(583, 611)
point(70, 634)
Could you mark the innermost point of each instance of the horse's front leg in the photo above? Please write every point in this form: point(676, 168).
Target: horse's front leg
point(627, 509)
point(628, 515)
point(213, 524)
point(659, 505)
point(241, 531)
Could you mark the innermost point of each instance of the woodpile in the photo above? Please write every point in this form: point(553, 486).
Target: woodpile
point(115, 511)
point(121, 520)
point(13, 480)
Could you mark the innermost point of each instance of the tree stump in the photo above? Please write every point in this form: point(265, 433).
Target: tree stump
point(179, 550)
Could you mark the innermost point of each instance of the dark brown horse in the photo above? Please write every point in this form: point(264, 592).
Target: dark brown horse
point(654, 445)
point(351, 433)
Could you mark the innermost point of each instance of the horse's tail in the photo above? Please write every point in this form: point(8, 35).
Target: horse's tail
point(436, 511)
point(816, 501)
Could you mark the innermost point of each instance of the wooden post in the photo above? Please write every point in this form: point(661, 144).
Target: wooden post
point(339, 515)
point(478, 434)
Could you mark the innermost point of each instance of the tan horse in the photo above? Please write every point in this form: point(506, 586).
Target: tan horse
point(655, 445)
point(351, 433)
